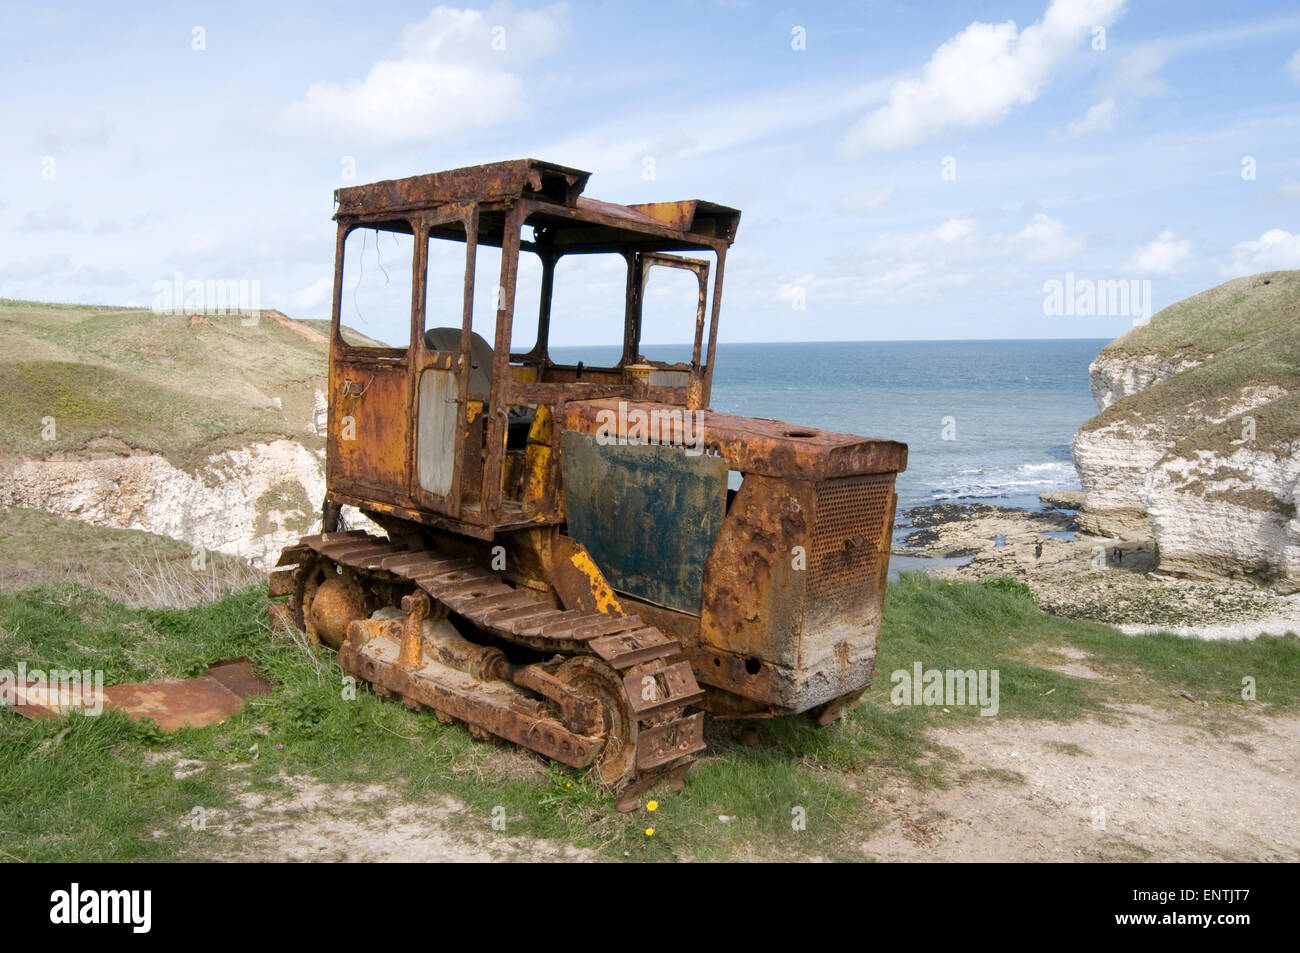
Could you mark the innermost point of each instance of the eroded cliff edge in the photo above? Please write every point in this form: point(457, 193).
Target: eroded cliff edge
point(1196, 442)
point(206, 429)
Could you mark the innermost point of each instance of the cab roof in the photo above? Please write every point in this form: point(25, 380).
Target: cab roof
point(569, 219)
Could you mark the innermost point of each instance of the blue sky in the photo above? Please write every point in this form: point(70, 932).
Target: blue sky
point(130, 155)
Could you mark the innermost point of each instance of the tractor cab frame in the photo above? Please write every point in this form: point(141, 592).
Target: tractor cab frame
point(425, 432)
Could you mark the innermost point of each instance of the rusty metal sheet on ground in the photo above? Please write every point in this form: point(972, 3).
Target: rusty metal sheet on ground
point(648, 515)
point(172, 703)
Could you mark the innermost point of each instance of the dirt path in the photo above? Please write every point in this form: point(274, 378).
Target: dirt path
point(1142, 785)
point(1146, 787)
point(309, 821)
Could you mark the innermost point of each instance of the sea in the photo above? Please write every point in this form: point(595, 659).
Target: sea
point(984, 421)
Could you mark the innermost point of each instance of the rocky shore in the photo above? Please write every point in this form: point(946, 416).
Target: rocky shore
point(1078, 575)
point(1188, 518)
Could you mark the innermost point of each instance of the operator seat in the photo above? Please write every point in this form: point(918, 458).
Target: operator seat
point(518, 419)
point(480, 357)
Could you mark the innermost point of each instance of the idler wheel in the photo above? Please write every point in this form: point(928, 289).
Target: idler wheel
point(617, 760)
point(328, 602)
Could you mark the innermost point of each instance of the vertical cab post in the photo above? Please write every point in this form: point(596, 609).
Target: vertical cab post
point(499, 396)
point(707, 396)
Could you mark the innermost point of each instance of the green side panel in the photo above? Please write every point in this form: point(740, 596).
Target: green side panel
point(647, 514)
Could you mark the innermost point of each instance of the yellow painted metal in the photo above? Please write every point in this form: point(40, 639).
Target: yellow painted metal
point(539, 467)
point(602, 593)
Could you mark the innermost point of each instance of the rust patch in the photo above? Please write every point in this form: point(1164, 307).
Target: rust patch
point(172, 703)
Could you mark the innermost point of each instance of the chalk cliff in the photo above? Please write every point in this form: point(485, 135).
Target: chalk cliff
point(1196, 442)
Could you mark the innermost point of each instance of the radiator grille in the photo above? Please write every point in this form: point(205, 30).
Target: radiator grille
point(849, 541)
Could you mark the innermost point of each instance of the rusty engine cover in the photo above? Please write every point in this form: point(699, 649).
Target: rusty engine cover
point(789, 607)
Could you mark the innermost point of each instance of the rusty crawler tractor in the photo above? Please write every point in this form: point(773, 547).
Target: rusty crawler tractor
point(577, 556)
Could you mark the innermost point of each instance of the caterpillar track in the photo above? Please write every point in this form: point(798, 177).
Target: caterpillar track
point(609, 692)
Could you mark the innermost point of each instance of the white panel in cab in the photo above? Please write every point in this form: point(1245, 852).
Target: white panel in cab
point(439, 415)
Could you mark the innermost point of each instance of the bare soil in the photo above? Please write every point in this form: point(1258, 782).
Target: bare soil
point(306, 820)
point(1137, 784)
point(1144, 785)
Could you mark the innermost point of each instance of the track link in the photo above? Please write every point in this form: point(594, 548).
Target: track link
point(657, 681)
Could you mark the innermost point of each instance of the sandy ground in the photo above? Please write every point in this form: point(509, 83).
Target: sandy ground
point(1145, 785)
point(1277, 623)
point(1139, 784)
point(309, 821)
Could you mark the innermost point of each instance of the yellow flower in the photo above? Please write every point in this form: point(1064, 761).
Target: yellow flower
point(652, 805)
point(649, 832)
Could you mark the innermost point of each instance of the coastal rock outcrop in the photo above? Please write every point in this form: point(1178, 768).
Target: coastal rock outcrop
point(1196, 442)
point(1114, 376)
point(248, 502)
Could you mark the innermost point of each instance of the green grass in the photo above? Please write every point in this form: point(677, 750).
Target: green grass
point(87, 788)
point(985, 625)
point(155, 382)
point(1247, 334)
point(1209, 671)
point(1215, 320)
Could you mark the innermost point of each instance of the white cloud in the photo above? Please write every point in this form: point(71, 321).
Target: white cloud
point(1136, 78)
point(315, 295)
point(59, 218)
point(1276, 250)
point(978, 76)
point(454, 71)
point(894, 277)
point(72, 130)
point(867, 200)
point(1293, 67)
point(961, 240)
point(1045, 239)
point(956, 229)
point(929, 263)
point(1160, 256)
point(1098, 118)
point(791, 290)
point(52, 218)
point(1137, 74)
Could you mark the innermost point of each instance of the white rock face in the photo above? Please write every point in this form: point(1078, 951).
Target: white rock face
point(1232, 515)
point(1111, 377)
point(1116, 462)
point(319, 414)
point(250, 502)
point(1113, 463)
point(1220, 514)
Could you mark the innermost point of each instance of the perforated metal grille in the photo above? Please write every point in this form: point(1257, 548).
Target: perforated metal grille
point(849, 540)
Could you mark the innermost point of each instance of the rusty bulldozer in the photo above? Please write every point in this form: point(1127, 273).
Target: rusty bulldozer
point(582, 560)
